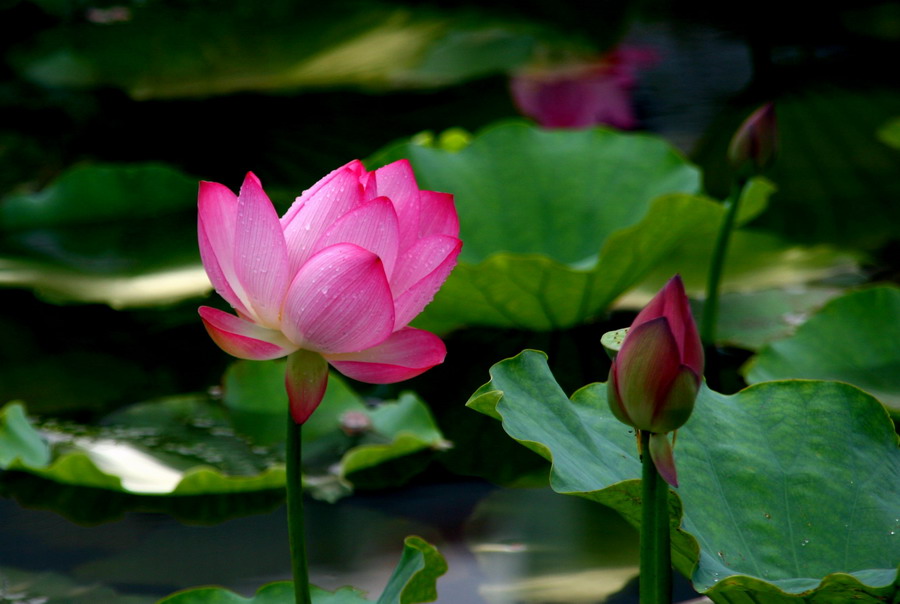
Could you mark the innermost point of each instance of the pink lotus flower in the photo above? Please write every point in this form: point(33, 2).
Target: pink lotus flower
point(334, 281)
point(582, 93)
point(655, 377)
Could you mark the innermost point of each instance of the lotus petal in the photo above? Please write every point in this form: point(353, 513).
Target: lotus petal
point(217, 215)
point(646, 366)
point(260, 253)
point(439, 250)
point(318, 211)
point(438, 214)
point(405, 354)
point(244, 339)
point(397, 182)
point(663, 458)
point(372, 226)
point(339, 301)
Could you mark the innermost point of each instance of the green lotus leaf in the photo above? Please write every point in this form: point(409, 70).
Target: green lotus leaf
point(192, 445)
point(557, 225)
point(156, 51)
point(890, 133)
point(750, 320)
point(756, 262)
point(754, 467)
point(97, 193)
point(19, 440)
point(854, 338)
point(521, 189)
point(413, 581)
point(766, 272)
point(123, 235)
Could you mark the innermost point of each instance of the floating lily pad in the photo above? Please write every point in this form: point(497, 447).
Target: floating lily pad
point(754, 470)
point(854, 338)
point(414, 580)
point(191, 445)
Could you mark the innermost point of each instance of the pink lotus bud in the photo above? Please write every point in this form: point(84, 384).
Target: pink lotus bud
point(656, 374)
point(335, 281)
point(756, 140)
point(582, 93)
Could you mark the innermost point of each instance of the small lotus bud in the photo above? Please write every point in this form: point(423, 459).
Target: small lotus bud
point(756, 140)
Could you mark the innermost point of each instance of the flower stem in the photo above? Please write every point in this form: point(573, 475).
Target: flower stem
point(656, 555)
point(295, 514)
point(717, 263)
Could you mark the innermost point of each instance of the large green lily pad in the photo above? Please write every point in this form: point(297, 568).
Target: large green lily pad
point(536, 208)
point(123, 235)
point(193, 445)
point(520, 189)
point(414, 580)
point(754, 469)
point(557, 225)
point(854, 338)
point(198, 50)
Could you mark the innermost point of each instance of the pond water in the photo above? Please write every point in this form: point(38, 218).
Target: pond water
point(503, 546)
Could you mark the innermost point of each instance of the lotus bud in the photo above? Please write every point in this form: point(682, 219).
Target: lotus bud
point(756, 140)
point(655, 377)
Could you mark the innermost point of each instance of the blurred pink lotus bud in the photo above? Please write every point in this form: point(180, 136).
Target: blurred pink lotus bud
point(582, 93)
point(335, 281)
point(655, 377)
point(756, 140)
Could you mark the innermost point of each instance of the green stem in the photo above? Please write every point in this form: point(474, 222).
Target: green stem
point(295, 514)
point(656, 554)
point(711, 306)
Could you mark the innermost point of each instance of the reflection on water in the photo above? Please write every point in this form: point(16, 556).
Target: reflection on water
point(503, 546)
